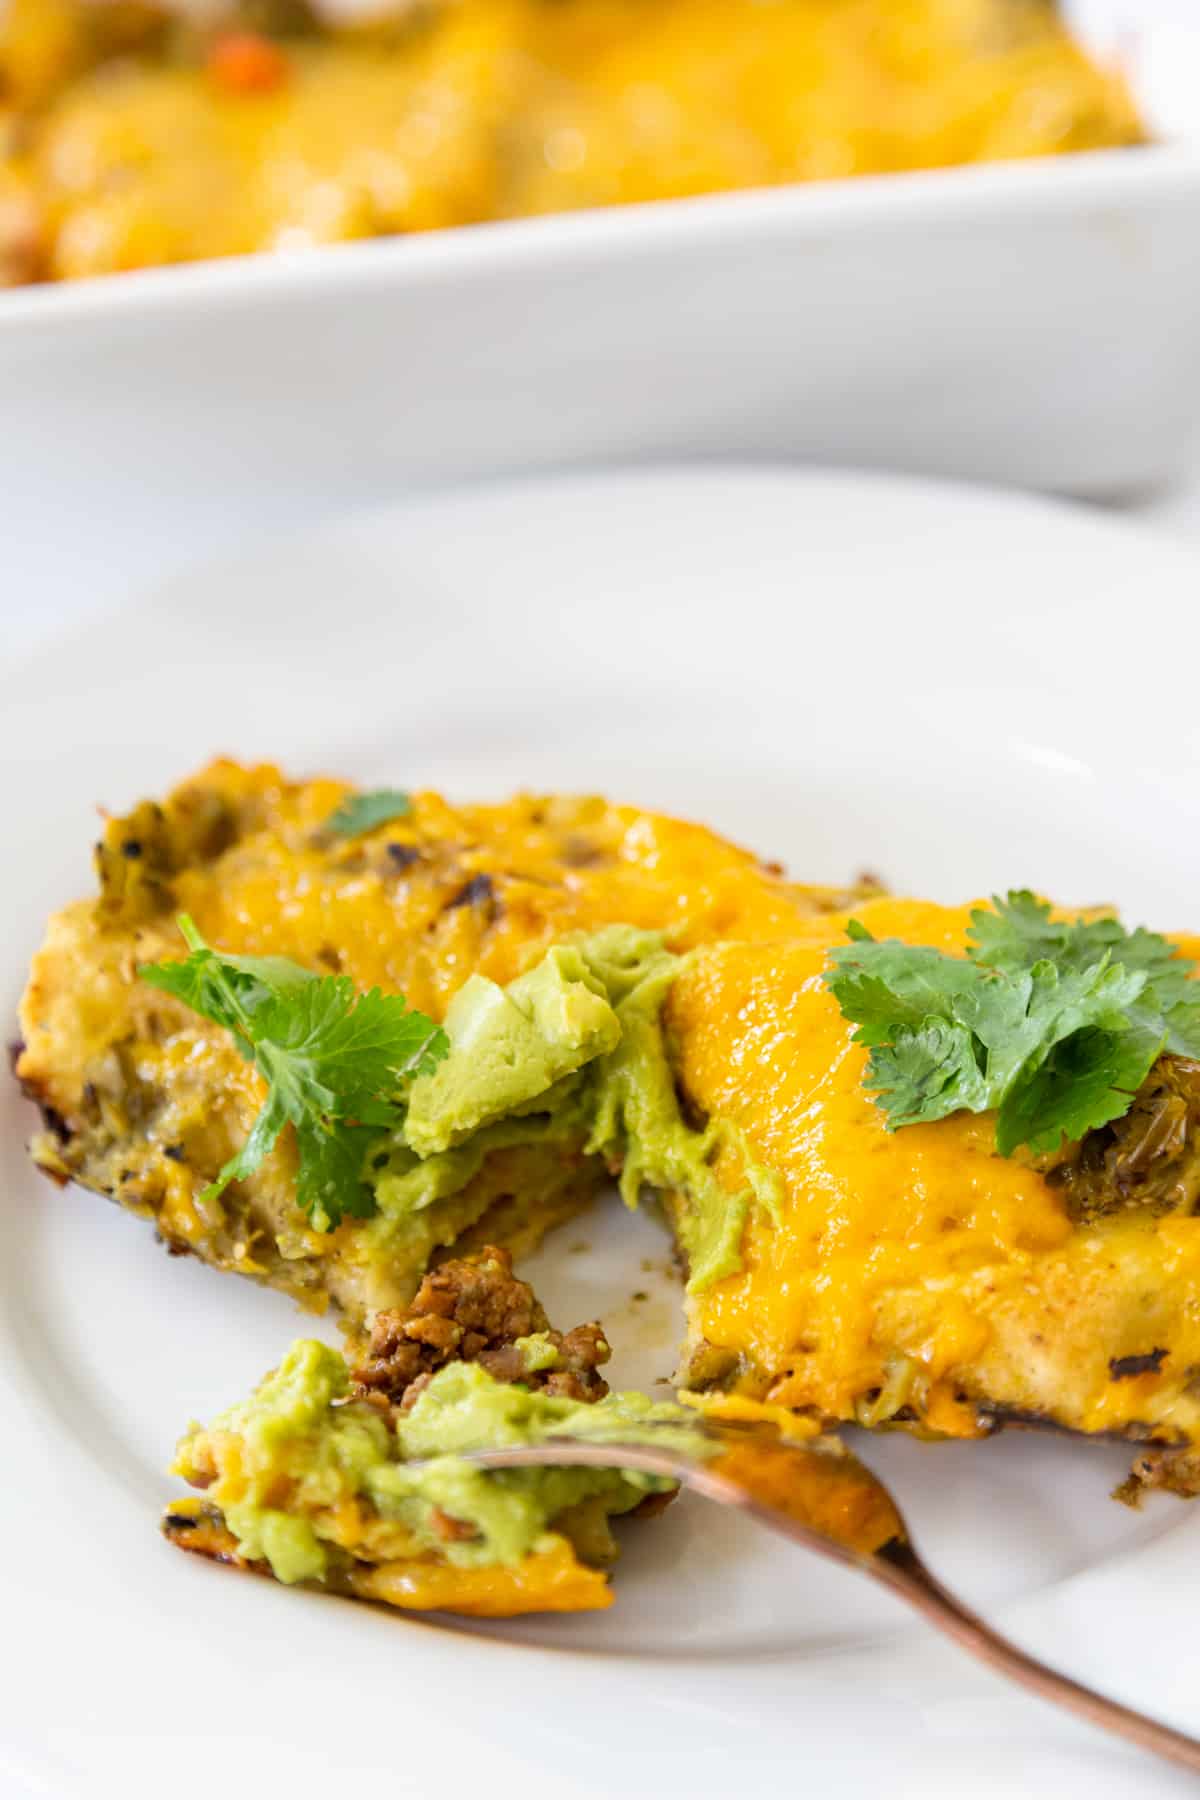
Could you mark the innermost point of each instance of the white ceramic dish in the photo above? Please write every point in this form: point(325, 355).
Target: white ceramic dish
point(1035, 324)
point(952, 687)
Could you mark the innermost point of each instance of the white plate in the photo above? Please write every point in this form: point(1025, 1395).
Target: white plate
point(959, 689)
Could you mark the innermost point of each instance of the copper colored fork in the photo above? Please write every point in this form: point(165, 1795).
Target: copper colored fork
point(819, 1495)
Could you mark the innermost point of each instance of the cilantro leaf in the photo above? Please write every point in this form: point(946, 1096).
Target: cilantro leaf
point(928, 1071)
point(1053, 1024)
point(889, 985)
point(329, 1173)
point(1088, 1080)
point(337, 1063)
point(1018, 931)
point(363, 812)
point(264, 1135)
point(229, 990)
point(350, 1045)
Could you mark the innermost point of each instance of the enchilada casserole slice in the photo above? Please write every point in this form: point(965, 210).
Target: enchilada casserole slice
point(145, 1102)
point(623, 994)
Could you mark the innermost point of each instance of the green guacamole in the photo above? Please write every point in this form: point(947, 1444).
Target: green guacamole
point(297, 1434)
point(573, 1052)
point(512, 1047)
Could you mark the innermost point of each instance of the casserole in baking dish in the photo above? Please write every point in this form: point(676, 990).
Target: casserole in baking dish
point(136, 138)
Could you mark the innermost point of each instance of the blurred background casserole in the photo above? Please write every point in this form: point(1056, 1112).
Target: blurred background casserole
point(133, 134)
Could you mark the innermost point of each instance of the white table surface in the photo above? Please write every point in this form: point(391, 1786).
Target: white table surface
point(1176, 512)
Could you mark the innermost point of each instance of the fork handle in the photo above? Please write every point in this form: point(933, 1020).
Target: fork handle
point(899, 1568)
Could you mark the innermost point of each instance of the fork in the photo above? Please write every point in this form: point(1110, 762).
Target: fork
point(818, 1494)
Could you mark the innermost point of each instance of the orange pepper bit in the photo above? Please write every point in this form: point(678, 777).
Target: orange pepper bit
point(245, 62)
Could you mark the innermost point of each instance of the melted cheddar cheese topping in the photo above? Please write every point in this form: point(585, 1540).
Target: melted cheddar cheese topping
point(914, 1272)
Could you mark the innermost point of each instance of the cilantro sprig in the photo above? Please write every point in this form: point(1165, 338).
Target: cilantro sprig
point(363, 812)
point(1053, 1024)
point(337, 1064)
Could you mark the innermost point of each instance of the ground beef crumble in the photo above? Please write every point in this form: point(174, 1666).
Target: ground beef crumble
point(474, 1311)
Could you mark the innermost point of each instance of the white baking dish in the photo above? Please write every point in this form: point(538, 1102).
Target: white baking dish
point(1033, 323)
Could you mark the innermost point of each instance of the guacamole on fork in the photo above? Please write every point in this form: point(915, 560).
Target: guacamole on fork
point(355, 1478)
